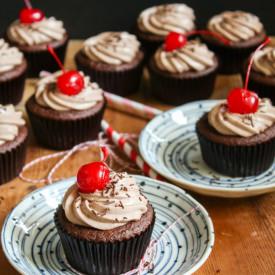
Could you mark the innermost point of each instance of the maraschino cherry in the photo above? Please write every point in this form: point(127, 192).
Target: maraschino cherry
point(241, 100)
point(69, 82)
point(93, 176)
point(176, 40)
point(30, 15)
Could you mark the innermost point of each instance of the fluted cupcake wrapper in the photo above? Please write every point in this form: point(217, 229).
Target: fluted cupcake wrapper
point(122, 82)
point(231, 59)
point(12, 161)
point(102, 258)
point(42, 60)
point(64, 134)
point(176, 91)
point(11, 91)
point(237, 161)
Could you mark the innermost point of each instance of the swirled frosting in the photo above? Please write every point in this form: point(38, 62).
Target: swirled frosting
point(112, 48)
point(236, 25)
point(10, 121)
point(48, 95)
point(264, 61)
point(119, 203)
point(161, 20)
point(10, 57)
point(45, 31)
point(243, 125)
point(194, 56)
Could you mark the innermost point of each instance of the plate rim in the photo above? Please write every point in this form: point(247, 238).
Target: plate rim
point(203, 210)
point(245, 191)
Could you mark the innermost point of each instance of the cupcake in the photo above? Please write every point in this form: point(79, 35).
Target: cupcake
point(262, 76)
point(245, 33)
point(32, 33)
point(182, 71)
point(156, 22)
point(62, 116)
point(104, 223)
point(114, 60)
point(13, 142)
point(237, 137)
point(13, 68)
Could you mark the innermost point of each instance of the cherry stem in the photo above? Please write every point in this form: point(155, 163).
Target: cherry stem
point(267, 40)
point(209, 33)
point(53, 53)
point(28, 4)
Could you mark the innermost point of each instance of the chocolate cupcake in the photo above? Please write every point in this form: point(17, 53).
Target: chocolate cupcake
point(32, 38)
point(156, 22)
point(13, 142)
point(61, 120)
point(183, 74)
point(245, 33)
point(105, 228)
point(114, 60)
point(238, 143)
point(262, 76)
point(13, 68)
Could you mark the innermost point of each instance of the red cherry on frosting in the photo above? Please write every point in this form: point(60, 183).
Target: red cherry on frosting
point(242, 101)
point(30, 15)
point(174, 41)
point(70, 83)
point(93, 176)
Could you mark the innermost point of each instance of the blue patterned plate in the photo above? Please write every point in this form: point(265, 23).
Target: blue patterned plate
point(31, 243)
point(169, 144)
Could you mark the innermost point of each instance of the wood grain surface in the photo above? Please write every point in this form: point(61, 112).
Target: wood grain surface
point(244, 228)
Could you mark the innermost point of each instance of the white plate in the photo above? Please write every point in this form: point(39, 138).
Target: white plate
point(169, 144)
point(31, 244)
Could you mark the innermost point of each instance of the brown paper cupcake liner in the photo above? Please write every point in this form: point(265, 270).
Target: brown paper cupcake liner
point(64, 134)
point(102, 258)
point(231, 59)
point(123, 83)
point(42, 60)
point(237, 161)
point(177, 91)
point(11, 91)
point(12, 161)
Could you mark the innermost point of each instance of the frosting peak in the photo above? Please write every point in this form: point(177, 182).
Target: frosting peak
point(264, 61)
point(160, 20)
point(244, 125)
point(10, 121)
point(119, 203)
point(112, 47)
point(236, 26)
point(48, 95)
point(10, 57)
point(44, 31)
point(194, 56)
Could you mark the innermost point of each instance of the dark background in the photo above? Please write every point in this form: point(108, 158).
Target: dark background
point(87, 17)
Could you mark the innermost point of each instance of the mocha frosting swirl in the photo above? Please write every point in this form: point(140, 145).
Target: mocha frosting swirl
point(194, 56)
point(236, 26)
point(160, 20)
point(119, 203)
point(10, 57)
point(45, 31)
point(112, 48)
point(48, 95)
point(10, 121)
point(243, 125)
point(264, 61)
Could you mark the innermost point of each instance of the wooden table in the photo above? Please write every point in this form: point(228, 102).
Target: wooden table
point(245, 228)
